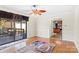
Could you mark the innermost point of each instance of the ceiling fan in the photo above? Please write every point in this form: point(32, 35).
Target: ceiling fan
point(37, 11)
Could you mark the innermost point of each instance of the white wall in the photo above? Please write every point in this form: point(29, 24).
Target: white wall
point(32, 26)
point(43, 26)
point(76, 27)
point(61, 11)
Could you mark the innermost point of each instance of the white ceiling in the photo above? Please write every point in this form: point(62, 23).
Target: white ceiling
point(51, 9)
point(19, 7)
point(24, 9)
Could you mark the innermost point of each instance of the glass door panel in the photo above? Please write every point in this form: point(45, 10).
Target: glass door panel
point(24, 28)
point(6, 32)
point(19, 29)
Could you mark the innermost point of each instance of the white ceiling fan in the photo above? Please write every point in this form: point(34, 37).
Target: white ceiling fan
point(35, 10)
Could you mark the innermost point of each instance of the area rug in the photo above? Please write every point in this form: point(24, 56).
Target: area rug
point(43, 47)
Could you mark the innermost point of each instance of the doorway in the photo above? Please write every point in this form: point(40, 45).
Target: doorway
point(56, 29)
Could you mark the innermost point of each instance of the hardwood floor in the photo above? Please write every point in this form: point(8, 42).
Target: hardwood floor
point(61, 46)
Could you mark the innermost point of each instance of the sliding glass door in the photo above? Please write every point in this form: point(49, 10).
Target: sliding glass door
point(11, 31)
